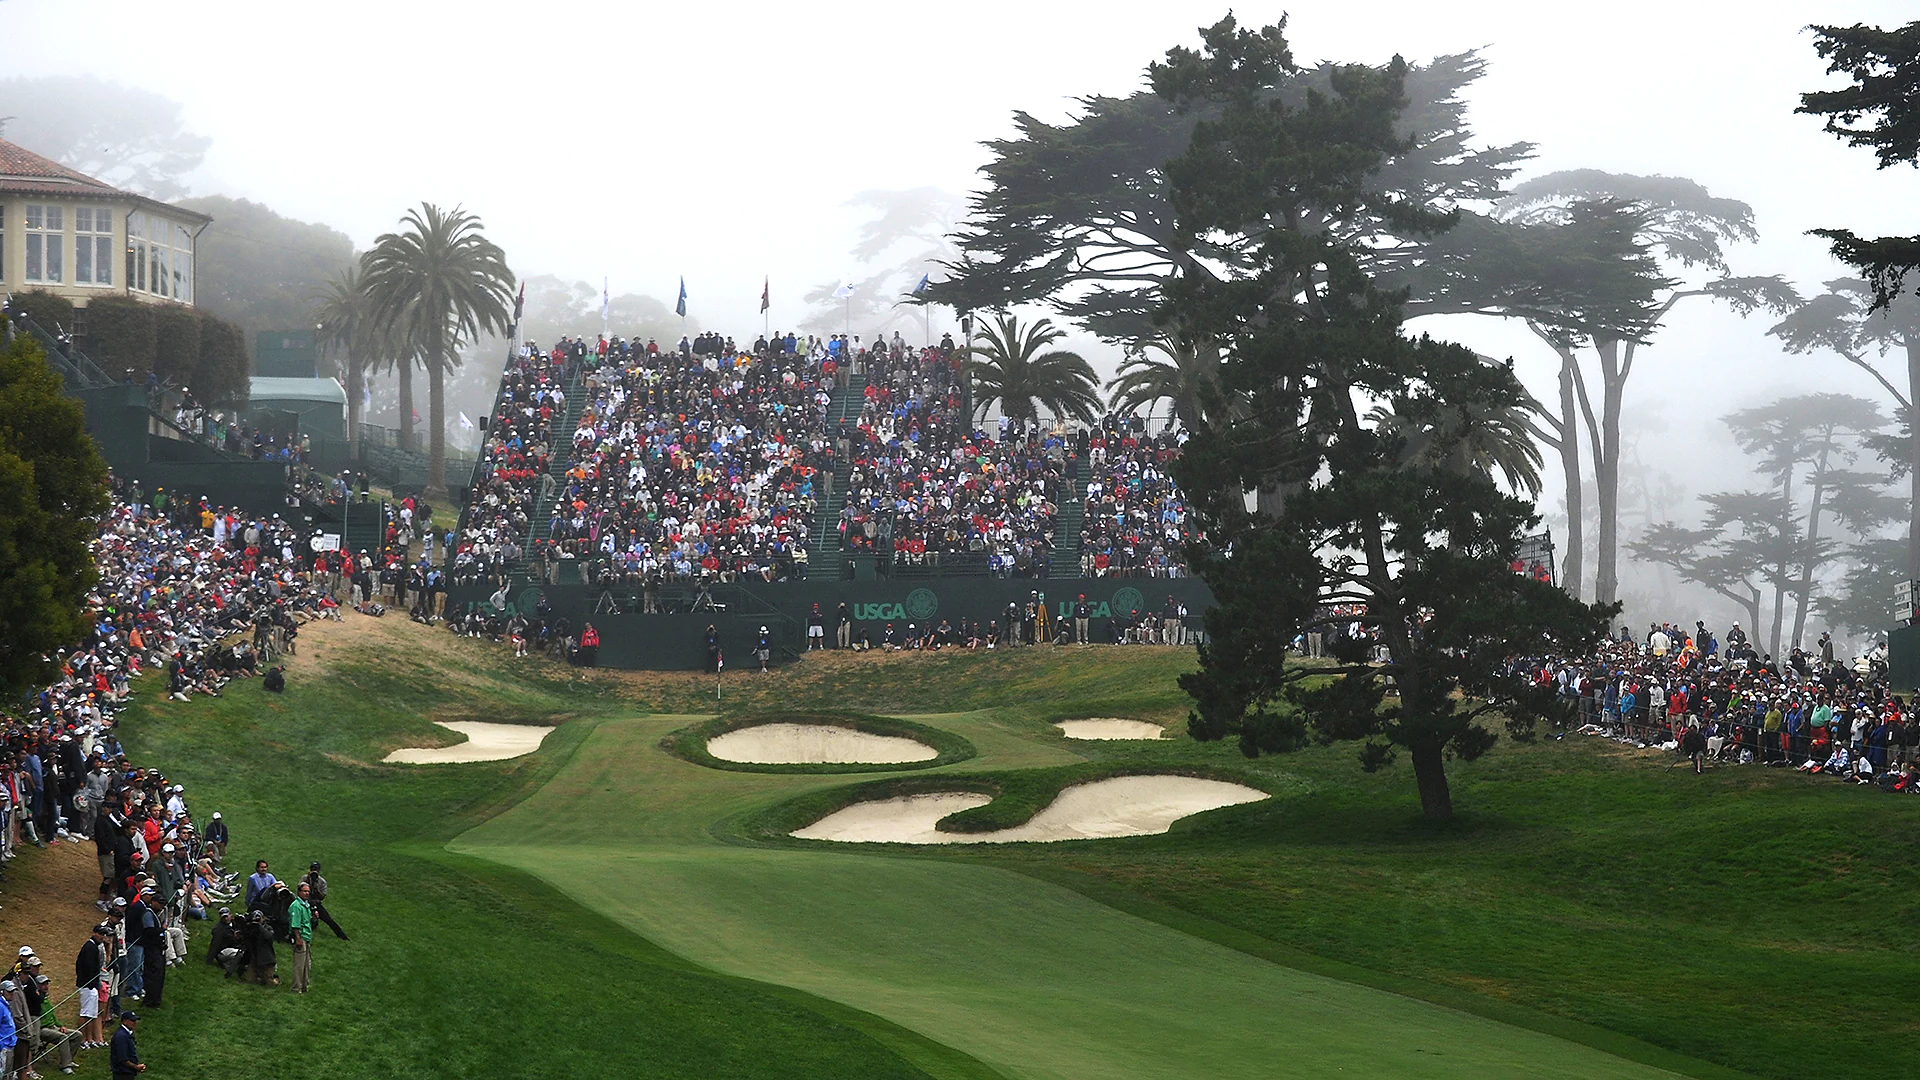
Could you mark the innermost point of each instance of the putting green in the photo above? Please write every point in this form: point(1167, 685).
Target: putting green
point(1033, 979)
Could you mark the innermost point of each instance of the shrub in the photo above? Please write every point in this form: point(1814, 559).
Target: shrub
point(50, 312)
point(120, 335)
point(223, 371)
point(176, 349)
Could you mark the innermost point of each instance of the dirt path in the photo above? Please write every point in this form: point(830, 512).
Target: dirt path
point(46, 902)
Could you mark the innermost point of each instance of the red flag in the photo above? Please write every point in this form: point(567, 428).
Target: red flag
point(766, 294)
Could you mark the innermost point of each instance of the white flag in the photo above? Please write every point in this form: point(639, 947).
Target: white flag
point(843, 291)
point(465, 424)
point(605, 301)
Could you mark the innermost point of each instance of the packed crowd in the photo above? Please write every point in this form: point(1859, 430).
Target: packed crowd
point(1135, 520)
point(1718, 699)
point(210, 596)
point(710, 461)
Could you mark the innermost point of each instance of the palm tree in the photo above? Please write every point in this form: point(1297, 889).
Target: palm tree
point(345, 318)
point(1469, 438)
point(1189, 377)
point(441, 283)
point(1008, 366)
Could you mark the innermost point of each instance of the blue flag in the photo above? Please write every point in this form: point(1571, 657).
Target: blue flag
point(680, 308)
point(922, 287)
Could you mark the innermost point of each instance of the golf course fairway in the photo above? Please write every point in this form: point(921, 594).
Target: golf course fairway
point(1033, 979)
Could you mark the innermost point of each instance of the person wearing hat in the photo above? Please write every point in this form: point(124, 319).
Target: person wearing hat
point(26, 1030)
point(261, 961)
point(125, 1054)
point(227, 946)
point(152, 926)
point(89, 981)
point(9, 1036)
point(54, 1037)
point(318, 887)
point(215, 838)
point(1082, 616)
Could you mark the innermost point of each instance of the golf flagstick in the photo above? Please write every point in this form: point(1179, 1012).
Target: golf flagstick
point(719, 669)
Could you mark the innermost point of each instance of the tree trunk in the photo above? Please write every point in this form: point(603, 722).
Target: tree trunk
point(1913, 460)
point(437, 419)
point(356, 379)
point(405, 369)
point(1804, 592)
point(1572, 576)
point(1430, 773)
point(1606, 475)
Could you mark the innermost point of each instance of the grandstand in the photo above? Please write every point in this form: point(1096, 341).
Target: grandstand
point(710, 483)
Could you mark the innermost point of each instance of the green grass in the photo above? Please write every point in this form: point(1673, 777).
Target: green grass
point(690, 743)
point(1748, 919)
point(457, 967)
point(646, 915)
point(1035, 980)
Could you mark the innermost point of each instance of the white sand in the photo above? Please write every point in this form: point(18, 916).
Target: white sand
point(816, 744)
point(1106, 727)
point(485, 742)
point(1120, 806)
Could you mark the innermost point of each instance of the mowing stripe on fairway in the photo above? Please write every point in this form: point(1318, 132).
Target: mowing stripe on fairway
point(1031, 978)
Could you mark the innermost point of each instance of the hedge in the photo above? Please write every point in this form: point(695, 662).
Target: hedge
point(176, 348)
point(120, 334)
point(50, 312)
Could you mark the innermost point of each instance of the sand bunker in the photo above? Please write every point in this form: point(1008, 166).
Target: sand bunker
point(485, 742)
point(1107, 727)
point(1121, 806)
point(816, 744)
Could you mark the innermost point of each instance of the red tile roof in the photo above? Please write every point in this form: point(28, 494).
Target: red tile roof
point(24, 171)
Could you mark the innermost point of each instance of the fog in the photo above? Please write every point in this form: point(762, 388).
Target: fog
point(640, 143)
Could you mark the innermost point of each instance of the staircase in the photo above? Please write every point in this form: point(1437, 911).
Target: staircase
point(827, 559)
point(1067, 524)
point(365, 527)
point(540, 524)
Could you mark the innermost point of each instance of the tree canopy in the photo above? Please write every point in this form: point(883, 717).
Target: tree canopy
point(1885, 68)
point(1080, 214)
point(260, 269)
point(1414, 552)
point(440, 284)
point(53, 485)
point(132, 139)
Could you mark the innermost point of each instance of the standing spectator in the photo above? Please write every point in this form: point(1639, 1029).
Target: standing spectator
point(153, 948)
point(89, 973)
point(300, 926)
point(261, 962)
point(258, 883)
point(318, 886)
point(126, 1055)
point(8, 1037)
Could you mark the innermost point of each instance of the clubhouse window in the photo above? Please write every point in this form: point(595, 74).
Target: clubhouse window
point(46, 243)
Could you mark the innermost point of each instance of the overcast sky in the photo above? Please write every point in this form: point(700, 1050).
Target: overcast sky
point(643, 141)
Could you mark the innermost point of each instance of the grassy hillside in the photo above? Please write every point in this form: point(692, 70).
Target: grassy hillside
point(1746, 919)
point(456, 968)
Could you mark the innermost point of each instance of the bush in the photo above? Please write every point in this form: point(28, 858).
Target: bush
point(690, 743)
point(50, 312)
point(120, 334)
point(222, 372)
point(176, 348)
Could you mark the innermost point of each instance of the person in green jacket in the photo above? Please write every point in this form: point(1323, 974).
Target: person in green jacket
point(300, 919)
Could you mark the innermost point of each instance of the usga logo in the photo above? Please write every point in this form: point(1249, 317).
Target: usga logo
point(921, 605)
